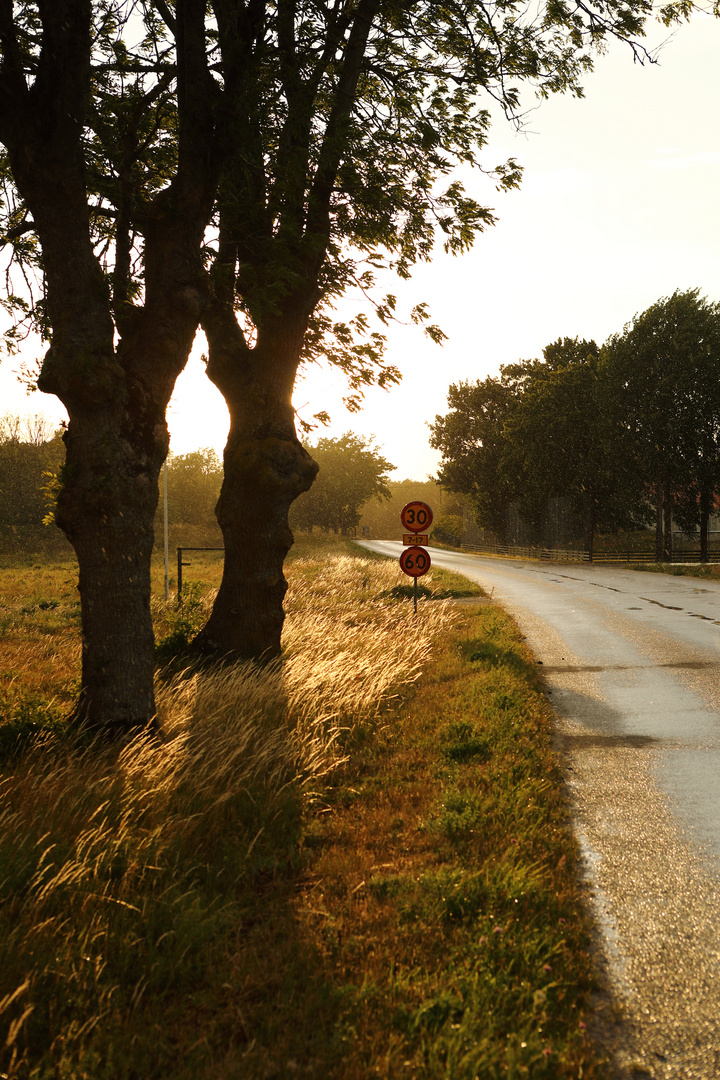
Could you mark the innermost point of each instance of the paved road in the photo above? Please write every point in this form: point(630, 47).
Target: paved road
point(632, 662)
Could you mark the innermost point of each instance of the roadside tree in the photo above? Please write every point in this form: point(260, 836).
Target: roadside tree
point(543, 429)
point(351, 471)
point(663, 370)
point(331, 127)
point(344, 126)
point(563, 439)
point(471, 438)
point(109, 182)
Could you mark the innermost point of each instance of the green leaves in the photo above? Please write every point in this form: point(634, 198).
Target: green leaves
point(351, 472)
point(611, 430)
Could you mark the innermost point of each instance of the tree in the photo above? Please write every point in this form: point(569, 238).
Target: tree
point(563, 439)
point(30, 454)
point(194, 482)
point(471, 438)
point(330, 127)
point(344, 123)
point(112, 212)
point(351, 471)
point(543, 429)
point(664, 370)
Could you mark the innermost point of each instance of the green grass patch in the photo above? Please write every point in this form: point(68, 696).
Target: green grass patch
point(441, 900)
point(356, 865)
point(708, 571)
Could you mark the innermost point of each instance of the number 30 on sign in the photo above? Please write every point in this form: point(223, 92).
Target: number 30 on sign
point(416, 517)
point(415, 562)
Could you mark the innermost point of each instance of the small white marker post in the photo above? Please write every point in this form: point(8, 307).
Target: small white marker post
point(415, 516)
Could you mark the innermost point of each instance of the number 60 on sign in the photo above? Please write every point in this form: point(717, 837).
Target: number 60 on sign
point(415, 562)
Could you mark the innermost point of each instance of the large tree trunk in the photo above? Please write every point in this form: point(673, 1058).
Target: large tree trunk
point(111, 363)
point(265, 469)
point(106, 510)
point(115, 444)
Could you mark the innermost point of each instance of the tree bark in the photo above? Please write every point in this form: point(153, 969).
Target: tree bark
point(106, 510)
point(265, 469)
point(116, 443)
point(112, 364)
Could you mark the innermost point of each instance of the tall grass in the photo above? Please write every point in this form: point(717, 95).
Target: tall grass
point(123, 873)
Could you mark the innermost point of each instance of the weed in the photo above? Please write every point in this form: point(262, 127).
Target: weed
point(466, 743)
point(184, 623)
point(25, 721)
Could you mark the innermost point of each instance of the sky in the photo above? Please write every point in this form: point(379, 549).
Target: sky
point(619, 206)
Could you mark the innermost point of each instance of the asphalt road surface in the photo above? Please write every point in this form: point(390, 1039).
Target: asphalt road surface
point(632, 663)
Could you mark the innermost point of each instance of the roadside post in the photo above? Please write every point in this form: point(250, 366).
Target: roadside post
point(415, 517)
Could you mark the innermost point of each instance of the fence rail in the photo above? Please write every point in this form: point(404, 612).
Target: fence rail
point(180, 565)
point(574, 555)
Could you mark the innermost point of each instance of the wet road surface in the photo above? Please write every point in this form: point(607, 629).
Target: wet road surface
point(632, 663)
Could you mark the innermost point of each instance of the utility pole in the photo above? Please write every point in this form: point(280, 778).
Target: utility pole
point(167, 564)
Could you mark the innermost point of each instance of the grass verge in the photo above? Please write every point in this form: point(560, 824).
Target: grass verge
point(438, 929)
point(353, 864)
point(709, 571)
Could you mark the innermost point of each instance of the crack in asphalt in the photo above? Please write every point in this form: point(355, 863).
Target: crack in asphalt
point(668, 607)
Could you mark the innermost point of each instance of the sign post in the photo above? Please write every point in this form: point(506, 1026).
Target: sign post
point(415, 517)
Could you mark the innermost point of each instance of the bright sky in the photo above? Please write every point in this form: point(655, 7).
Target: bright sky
point(618, 207)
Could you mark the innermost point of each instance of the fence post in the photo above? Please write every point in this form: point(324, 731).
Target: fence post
point(179, 577)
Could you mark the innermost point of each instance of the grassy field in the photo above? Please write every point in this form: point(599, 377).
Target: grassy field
point(356, 864)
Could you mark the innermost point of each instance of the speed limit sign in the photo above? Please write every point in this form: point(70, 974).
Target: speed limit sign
point(415, 562)
point(416, 517)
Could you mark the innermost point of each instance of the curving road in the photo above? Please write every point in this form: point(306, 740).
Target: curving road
point(632, 663)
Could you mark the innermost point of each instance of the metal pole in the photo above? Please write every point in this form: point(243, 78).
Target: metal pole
point(179, 579)
point(167, 555)
point(415, 594)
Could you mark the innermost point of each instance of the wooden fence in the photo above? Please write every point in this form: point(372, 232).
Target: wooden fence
point(574, 555)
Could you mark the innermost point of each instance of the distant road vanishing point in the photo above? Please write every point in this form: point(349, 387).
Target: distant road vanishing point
point(632, 664)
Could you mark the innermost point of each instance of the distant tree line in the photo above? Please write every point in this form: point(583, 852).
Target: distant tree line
point(31, 455)
point(31, 459)
point(351, 471)
point(193, 486)
point(353, 475)
point(629, 433)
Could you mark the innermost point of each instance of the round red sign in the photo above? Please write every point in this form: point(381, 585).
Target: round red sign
point(416, 517)
point(415, 562)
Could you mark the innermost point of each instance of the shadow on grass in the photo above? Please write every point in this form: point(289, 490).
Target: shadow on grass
point(487, 651)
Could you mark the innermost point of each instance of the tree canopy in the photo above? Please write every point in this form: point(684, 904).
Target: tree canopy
point(615, 430)
point(351, 471)
point(30, 459)
point(663, 371)
point(236, 164)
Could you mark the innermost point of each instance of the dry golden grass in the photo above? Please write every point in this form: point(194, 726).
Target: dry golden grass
point(119, 871)
point(39, 640)
point(351, 863)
